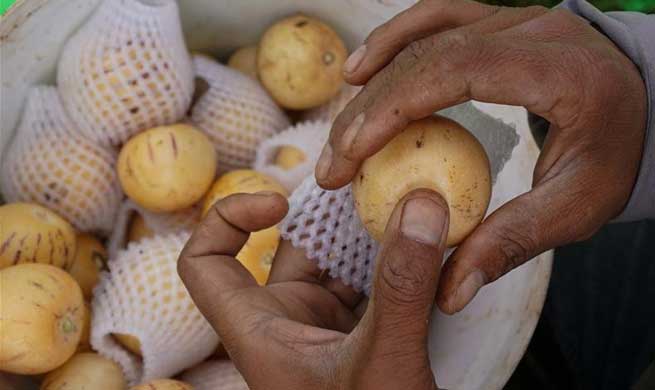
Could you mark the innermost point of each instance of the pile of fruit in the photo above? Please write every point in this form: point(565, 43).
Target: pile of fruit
point(111, 169)
point(140, 130)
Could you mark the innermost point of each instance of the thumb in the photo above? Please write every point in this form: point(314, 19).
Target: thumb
point(563, 208)
point(406, 276)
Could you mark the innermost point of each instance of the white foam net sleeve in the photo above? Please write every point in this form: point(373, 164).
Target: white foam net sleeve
point(215, 375)
point(309, 137)
point(50, 163)
point(158, 223)
point(143, 296)
point(235, 112)
point(127, 69)
point(326, 225)
point(329, 111)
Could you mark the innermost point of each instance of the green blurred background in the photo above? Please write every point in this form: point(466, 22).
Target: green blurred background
point(605, 5)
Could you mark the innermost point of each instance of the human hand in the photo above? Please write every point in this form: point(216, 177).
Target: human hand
point(439, 53)
point(299, 332)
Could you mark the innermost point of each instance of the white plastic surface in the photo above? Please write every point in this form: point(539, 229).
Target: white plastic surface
point(478, 348)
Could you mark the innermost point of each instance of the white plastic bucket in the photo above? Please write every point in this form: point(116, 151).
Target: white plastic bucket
point(478, 348)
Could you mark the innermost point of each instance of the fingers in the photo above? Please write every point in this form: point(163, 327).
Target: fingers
point(291, 264)
point(425, 18)
point(406, 275)
point(207, 264)
point(229, 222)
point(432, 74)
point(504, 18)
point(544, 218)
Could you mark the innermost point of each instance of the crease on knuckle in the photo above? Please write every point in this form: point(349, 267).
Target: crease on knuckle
point(403, 351)
point(378, 35)
point(457, 40)
point(186, 267)
point(404, 279)
point(565, 23)
point(597, 78)
point(587, 211)
point(454, 54)
point(516, 245)
point(182, 265)
point(587, 233)
point(435, 5)
point(456, 51)
point(418, 49)
point(536, 10)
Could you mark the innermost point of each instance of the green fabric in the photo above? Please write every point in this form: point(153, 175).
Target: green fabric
point(647, 6)
point(5, 4)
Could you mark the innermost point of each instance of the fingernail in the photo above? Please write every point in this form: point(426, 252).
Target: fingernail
point(348, 137)
point(467, 290)
point(423, 220)
point(324, 162)
point(353, 61)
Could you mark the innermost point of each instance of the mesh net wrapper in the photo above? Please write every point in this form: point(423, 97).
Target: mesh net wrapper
point(235, 112)
point(326, 225)
point(308, 137)
point(49, 162)
point(126, 69)
point(143, 296)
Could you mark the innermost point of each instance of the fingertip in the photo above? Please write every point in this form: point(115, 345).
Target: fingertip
point(340, 173)
point(355, 79)
point(279, 205)
point(425, 218)
point(444, 305)
point(450, 275)
point(354, 62)
point(252, 212)
point(464, 293)
point(324, 163)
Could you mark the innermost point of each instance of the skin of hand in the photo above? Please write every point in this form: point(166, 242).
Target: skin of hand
point(439, 53)
point(304, 331)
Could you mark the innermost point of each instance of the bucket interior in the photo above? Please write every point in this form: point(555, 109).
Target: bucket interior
point(475, 349)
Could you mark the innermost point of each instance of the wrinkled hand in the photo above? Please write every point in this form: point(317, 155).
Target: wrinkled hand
point(302, 331)
point(443, 52)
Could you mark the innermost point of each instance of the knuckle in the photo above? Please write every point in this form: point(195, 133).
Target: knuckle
point(567, 22)
point(184, 264)
point(417, 49)
point(409, 56)
point(434, 3)
point(586, 233)
point(457, 40)
point(598, 80)
point(377, 34)
point(515, 245)
point(536, 10)
point(404, 280)
point(563, 15)
point(455, 49)
point(455, 54)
